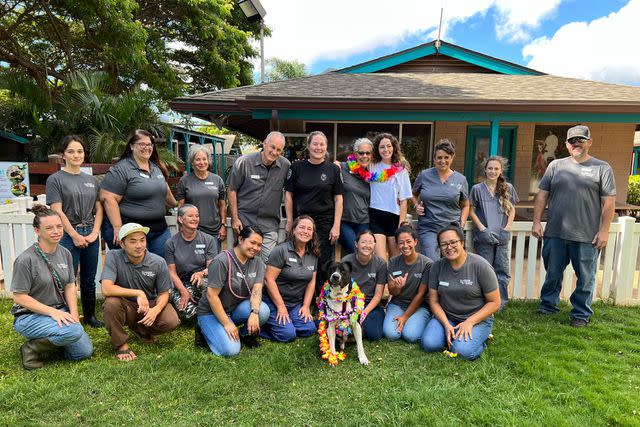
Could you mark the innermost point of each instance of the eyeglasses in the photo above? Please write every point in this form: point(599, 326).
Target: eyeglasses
point(144, 146)
point(363, 153)
point(445, 245)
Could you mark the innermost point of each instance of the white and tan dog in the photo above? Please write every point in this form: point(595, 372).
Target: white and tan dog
point(340, 312)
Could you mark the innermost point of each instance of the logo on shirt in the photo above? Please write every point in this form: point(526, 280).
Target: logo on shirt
point(240, 275)
point(323, 177)
point(148, 273)
point(310, 267)
point(198, 251)
point(467, 282)
point(252, 275)
point(90, 185)
point(62, 266)
point(417, 275)
point(159, 176)
point(441, 283)
point(289, 174)
point(458, 186)
point(372, 275)
point(144, 175)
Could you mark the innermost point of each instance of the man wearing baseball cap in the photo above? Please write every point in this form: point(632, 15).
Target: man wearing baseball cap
point(580, 191)
point(136, 286)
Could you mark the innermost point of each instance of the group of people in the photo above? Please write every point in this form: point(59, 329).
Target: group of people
point(439, 293)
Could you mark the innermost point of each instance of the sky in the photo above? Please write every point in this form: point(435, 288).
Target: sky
point(587, 39)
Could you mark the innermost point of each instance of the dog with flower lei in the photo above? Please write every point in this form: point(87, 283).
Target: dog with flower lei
point(343, 319)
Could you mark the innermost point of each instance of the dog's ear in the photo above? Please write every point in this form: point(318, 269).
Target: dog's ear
point(327, 266)
point(348, 266)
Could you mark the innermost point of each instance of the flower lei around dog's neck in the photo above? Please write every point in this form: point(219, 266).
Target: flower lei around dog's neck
point(356, 169)
point(326, 314)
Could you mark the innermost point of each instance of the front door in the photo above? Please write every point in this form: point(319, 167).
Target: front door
point(477, 150)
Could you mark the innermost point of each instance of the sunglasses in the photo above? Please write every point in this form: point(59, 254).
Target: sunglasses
point(577, 140)
point(363, 153)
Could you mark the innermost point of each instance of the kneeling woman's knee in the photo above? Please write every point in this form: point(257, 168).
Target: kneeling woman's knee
point(467, 350)
point(231, 349)
point(264, 313)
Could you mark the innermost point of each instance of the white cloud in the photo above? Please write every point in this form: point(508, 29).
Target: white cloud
point(603, 49)
point(331, 29)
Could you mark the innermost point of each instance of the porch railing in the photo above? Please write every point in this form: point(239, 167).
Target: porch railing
point(617, 277)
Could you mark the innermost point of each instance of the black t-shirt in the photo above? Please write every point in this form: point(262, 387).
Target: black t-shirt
point(313, 188)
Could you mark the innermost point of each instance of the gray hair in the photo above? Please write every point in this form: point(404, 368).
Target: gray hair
point(182, 211)
point(197, 148)
point(274, 134)
point(360, 141)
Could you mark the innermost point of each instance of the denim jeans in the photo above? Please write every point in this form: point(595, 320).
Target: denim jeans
point(289, 331)
point(557, 253)
point(348, 233)
point(372, 325)
point(498, 256)
point(86, 258)
point(413, 327)
point(433, 339)
point(155, 239)
point(75, 341)
point(217, 337)
point(428, 243)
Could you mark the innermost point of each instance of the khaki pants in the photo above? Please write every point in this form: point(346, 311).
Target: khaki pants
point(120, 312)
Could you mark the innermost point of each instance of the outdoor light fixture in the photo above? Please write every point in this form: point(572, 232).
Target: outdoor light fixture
point(254, 12)
point(252, 9)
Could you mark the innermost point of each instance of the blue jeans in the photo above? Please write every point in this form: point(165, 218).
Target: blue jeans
point(413, 327)
point(217, 337)
point(155, 239)
point(348, 233)
point(289, 331)
point(372, 325)
point(86, 258)
point(556, 254)
point(433, 339)
point(72, 338)
point(498, 256)
point(428, 243)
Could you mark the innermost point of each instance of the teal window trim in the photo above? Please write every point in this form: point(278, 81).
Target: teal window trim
point(495, 136)
point(432, 116)
point(508, 150)
point(636, 159)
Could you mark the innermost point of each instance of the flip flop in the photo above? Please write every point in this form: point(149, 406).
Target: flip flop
point(122, 352)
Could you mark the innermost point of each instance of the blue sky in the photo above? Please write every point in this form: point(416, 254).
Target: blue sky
point(544, 34)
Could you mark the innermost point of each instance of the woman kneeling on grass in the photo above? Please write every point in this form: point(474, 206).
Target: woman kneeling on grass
point(463, 295)
point(234, 296)
point(44, 292)
point(407, 314)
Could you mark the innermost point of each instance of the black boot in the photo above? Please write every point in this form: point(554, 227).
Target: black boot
point(31, 351)
point(199, 339)
point(89, 311)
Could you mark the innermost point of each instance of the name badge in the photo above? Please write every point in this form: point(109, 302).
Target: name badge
point(240, 275)
point(441, 283)
point(208, 183)
point(255, 176)
point(293, 260)
point(144, 175)
point(397, 273)
point(200, 245)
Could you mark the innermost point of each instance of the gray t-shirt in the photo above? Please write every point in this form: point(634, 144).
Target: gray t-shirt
point(461, 293)
point(368, 276)
point(189, 257)
point(143, 193)
point(150, 276)
point(31, 276)
point(487, 206)
point(295, 272)
point(259, 190)
point(356, 197)
point(442, 202)
point(242, 281)
point(78, 194)
point(203, 194)
point(417, 274)
point(575, 192)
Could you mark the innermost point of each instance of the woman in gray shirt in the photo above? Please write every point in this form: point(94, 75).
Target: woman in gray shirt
point(204, 190)
point(73, 194)
point(463, 295)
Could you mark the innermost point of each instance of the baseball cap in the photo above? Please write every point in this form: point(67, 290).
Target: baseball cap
point(129, 228)
point(579, 132)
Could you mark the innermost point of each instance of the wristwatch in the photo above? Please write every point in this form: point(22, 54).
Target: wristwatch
point(255, 310)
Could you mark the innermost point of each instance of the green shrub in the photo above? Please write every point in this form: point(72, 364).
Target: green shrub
point(633, 194)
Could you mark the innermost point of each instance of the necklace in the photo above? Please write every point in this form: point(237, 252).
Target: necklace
point(356, 169)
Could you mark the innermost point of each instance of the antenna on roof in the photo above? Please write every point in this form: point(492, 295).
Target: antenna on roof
point(437, 43)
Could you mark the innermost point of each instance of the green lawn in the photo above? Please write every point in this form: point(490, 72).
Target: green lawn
point(537, 371)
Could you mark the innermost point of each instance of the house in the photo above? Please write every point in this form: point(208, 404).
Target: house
point(439, 90)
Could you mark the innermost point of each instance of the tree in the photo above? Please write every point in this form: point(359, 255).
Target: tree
point(281, 69)
point(172, 46)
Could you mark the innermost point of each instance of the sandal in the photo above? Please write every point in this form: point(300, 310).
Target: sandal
point(128, 352)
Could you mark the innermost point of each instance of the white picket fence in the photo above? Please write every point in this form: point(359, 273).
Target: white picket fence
point(617, 278)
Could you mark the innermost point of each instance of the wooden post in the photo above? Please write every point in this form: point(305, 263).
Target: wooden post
point(625, 262)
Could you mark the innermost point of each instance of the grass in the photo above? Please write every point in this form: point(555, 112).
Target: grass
point(537, 371)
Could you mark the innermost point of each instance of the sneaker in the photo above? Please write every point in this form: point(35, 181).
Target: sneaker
point(579, 323)
point(251, 341)
point(542, 312)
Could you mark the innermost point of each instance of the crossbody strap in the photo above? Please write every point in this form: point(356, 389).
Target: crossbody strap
point(231, 258)
point(54, 275)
